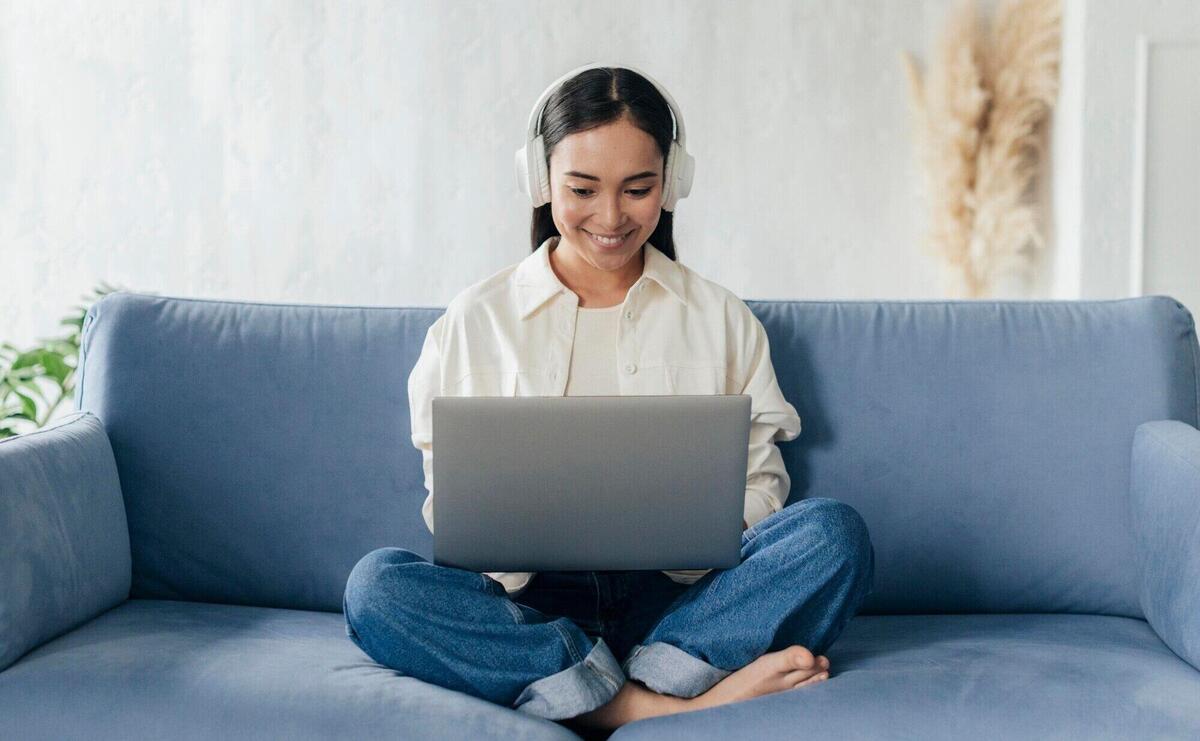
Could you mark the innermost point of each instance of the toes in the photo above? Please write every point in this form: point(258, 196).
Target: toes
point(799, 657)
point(799, 679)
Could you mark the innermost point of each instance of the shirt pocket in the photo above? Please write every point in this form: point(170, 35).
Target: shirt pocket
point(695, 380)
point(487, 383)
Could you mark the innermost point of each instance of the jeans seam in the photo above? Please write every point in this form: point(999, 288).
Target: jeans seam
point(516, 611)
point(597, 670)
point(575, 657)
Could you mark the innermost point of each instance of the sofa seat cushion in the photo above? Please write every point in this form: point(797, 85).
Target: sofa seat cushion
point(160, 668)
point(190, 670)
point(999, 676)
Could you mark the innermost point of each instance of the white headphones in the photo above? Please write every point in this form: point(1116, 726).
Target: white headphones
point(533, 177)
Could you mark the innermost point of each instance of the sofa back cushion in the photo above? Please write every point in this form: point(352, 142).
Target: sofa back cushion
point(986, 444)
point(263, 449)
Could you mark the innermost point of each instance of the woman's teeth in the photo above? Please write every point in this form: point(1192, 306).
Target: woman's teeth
point(608, 241)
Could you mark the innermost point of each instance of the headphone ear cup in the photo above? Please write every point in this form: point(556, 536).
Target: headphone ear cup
point(541, 180)
point(522, 167)
point(532, 177)
point(687, 169)
point(668, 190)
point(677, 176)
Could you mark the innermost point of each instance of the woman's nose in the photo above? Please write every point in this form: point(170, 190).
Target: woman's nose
point(611, 214)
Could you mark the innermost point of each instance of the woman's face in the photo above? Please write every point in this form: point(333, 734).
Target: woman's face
point(606, 181)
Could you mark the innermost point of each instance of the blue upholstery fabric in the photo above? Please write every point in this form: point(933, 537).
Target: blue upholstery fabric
point(977, 677)
point(985, 443)
point(64, 549)
point(165, 669)
point(161, 669)
point(1165, 511)
point(264, 448)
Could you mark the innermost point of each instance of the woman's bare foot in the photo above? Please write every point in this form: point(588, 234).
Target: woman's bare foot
point(794, 666)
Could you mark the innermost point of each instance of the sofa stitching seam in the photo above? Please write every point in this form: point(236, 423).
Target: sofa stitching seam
point(64, 421)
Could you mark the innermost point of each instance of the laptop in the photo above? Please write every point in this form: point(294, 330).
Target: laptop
point(589, 483)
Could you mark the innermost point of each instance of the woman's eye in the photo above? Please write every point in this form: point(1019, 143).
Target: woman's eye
point(583, 192)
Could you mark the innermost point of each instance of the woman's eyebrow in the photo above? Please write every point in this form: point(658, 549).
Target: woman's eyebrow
point(639, 176)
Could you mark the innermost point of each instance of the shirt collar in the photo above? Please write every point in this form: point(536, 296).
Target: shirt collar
point(536, 281)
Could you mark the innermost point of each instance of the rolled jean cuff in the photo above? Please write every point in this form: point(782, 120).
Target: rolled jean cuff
point(583, 686)
point(669, 670)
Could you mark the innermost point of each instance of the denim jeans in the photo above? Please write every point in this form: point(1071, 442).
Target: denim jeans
point(567, 643)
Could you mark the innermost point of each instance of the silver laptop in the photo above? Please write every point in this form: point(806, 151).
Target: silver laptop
point(582, 483)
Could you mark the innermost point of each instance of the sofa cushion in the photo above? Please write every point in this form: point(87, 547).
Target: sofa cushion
point(985, 443)
point(187, 670)
point(973, 677)
point(167, 669)
point(64, 547)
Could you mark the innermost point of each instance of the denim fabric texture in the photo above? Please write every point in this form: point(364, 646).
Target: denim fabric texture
point(568, 642)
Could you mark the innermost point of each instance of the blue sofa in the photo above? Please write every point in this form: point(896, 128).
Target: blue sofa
point(173, 553)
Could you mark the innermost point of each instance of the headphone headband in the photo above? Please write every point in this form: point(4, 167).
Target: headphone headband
point(535, 115)
point(533, 176)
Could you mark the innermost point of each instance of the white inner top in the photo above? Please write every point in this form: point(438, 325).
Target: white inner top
point(593, 370)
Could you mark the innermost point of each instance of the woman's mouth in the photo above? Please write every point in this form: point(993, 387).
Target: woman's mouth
point(609, 243)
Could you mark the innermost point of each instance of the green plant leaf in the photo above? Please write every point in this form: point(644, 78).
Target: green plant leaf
point(28, 405)
point(28, 359)
point(16, 375)
point(55, 367)
point(55, 359)
point(64, 348)
point(33, 389)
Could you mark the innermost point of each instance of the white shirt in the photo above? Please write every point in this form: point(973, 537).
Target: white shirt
point(512, 334)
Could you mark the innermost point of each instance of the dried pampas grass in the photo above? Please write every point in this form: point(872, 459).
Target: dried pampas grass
point(979, 115)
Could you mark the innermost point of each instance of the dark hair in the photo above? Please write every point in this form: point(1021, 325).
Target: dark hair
point(593, 98)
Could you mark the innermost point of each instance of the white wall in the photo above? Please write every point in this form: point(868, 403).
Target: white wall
point(1128, 156)
point(362, 153)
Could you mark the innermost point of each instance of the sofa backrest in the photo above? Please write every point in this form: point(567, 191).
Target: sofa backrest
point(264, 448)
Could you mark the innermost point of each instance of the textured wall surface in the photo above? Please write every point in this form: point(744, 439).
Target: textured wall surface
point(1127, 172)
point(363, 152)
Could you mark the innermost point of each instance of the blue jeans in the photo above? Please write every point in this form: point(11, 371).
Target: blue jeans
point(568, 642)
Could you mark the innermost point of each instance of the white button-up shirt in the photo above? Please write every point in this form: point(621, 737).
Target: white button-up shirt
point(511, 334)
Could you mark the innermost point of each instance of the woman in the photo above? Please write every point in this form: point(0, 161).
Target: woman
point(602, 306)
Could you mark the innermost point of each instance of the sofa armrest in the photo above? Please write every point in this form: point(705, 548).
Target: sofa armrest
point(64, 541)
point(1165, 503)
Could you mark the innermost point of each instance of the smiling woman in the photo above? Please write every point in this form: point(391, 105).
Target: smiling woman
point(612, 155)
point(602, 307)
point(601, 160)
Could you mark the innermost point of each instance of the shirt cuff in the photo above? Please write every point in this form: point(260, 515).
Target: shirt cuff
point(758, 506)
point(513, 581)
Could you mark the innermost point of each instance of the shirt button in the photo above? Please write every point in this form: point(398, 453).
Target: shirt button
point(553, 375)
point(629, 315)
point(630, 368)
